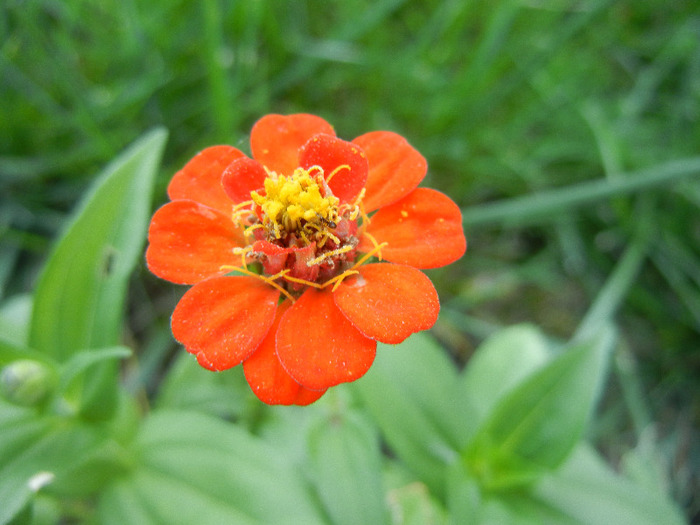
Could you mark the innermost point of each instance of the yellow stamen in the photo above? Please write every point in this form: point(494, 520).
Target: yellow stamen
point(242, 205)
point(365, 218)
point(291, 203)
point(241, 210)
point(243, 252)
point(268, 279)
point(351, 271)
point(339, 279)
point(331, 253)
point(248, 231)
point(377, 246)
point(315, 167)
point(341, 167)
point(302, 281)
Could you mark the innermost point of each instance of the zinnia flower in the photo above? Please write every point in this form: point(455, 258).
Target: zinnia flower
point(279, 249)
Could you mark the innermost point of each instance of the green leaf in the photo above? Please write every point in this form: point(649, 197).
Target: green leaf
point(463, 494)
point(189, 386)
point(468, 503)
point(537, 206)
point(34, 453)
point(15, 316)
point(537, 424)
point(80, 297)
point(587, 490)
point(345, 464)
point(519, 509)
point(499, 365)
point(408, 392)
point(81, 362)
point(97, 467)
point(412, 505)
point(10, 351)
point(20, 429)
point(195, 468)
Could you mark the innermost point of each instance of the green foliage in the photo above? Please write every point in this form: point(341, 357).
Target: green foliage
point(74, 307)
point(566, 131)
point(79, 298)
point(195, 468)
point(415, 421)
point(502, 440)
point(535, 426)
point(345, 466)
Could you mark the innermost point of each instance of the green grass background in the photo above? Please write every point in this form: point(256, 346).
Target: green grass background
point(505, 99)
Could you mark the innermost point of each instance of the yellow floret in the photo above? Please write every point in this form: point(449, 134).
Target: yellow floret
point(289, 200)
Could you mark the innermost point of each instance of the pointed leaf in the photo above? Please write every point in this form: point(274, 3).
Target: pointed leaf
point(346, 467)
point(537, 424)
point(189, 386)
point(80, 296)
point(586, 489)
point(83, 361)
point(408, 392)
point(198, 469)
point(34, 453)
point(498, 365)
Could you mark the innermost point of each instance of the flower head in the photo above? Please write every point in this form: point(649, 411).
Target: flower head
point(279, 248)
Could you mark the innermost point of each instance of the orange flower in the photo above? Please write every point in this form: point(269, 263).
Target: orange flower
point(277, 248)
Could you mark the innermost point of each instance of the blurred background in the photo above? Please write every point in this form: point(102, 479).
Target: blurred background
point(505, 99)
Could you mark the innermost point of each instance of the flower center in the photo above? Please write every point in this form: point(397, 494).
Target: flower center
point(301, 234)
point(300, 203)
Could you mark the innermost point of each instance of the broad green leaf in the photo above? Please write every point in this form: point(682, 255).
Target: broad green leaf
point(587, 490)
point(194, 468)
point(644, 464)
point(408, 393)
point(34, 453)
point(519, 509)
point(410, 501)
point(469, 503)
point(189, 386)
point(15, 315)
point(150, 497)
point(19, 427)
point(97, 467)
point(80, 297)
point(463, 494)
point(345, 465)
point(499, 364)
point(537, 424)
point(413, 505)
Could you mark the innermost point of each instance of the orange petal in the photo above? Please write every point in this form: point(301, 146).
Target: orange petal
point(424, 230)
point(275, 139)
point(330, 153)
point(241, 177)
point(200, 179)
point(388, 302)
point(395, 168)
point(268, 379)
point(306, 396)
point(188, 242)
point(318, 346)
point(223, 320)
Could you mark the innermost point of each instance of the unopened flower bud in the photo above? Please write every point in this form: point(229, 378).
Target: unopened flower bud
point(26, 382)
